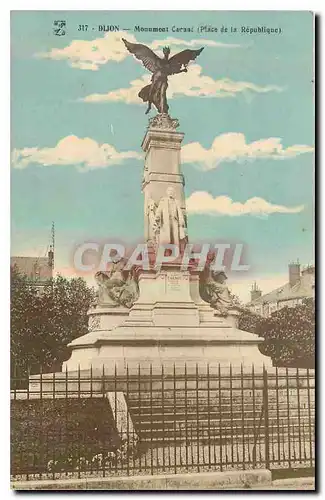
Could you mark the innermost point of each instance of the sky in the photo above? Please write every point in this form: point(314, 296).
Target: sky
point(245, 107)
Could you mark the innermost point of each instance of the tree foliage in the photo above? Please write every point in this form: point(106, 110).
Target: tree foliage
point(43, 324)
point(289, 334)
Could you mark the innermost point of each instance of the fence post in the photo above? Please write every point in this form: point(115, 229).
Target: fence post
point(266, 418)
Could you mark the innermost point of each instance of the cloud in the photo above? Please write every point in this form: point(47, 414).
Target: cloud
point(233, 147)
point(128, 95)
point(191, 84)
point(201, 202)
point(85, 153)
point(201, 42)
point(91, 54)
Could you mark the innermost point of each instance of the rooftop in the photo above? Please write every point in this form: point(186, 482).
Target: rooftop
point(35, 268)
point(305, 287)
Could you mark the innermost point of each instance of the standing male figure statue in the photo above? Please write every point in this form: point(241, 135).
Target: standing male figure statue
point(170, 220)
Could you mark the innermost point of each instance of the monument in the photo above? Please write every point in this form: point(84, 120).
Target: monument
point(167, 315)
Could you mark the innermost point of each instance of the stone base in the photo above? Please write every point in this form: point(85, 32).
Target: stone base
point(163, 346)
point(168, 325)
point(106, 318)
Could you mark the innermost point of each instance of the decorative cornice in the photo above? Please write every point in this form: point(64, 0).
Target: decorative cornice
point(164, 139)
point(146, 342)
point(163, 121)
point(170, 178)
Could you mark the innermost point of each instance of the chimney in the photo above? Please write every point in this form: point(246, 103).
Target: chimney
point(294, 273)
point(310, 269)
point(256, 293)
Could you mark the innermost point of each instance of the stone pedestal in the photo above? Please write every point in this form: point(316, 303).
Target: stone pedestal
point(162, 147)
point(157, 346)
point(169, 323)
point(103, 318)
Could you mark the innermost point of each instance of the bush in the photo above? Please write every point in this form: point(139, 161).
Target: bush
point(54, 433)
point(289, 334)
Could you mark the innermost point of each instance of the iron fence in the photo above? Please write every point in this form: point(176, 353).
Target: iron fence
point(167, 420)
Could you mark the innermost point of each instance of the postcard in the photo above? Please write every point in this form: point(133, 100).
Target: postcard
point(162, 250)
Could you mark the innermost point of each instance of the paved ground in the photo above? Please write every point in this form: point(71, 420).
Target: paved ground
point(299, 483)
point(296, 484)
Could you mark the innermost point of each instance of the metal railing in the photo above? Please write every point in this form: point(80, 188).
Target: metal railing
point(167, 420)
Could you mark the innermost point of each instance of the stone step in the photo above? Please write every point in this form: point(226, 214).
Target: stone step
point(192, 397)
point(215, 412)
point(228, 435)
point(162, 422)
point(171, 426)
point(204, 406)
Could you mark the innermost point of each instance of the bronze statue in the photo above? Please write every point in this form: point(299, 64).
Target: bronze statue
point(155, 93)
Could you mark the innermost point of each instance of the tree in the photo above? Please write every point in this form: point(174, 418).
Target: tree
point(289, 334)
point(42, 325)
point(24, 312)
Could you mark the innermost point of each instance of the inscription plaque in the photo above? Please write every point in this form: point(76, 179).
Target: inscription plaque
point(174, 281)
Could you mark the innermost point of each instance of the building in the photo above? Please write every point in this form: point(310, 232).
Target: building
point(38, 270)
point(301, 285)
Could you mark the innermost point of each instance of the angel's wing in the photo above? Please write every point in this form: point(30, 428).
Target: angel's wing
point(182, 59)
point(148, 58)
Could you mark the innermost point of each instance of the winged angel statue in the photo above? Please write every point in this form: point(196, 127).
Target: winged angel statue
point(155, 93)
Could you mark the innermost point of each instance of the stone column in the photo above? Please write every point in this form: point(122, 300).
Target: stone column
point(165, 297)
point(162, 145)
